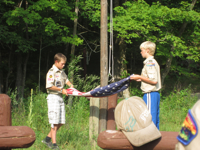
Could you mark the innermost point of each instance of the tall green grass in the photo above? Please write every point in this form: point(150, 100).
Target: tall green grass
point(74, 135)
point(174, 108)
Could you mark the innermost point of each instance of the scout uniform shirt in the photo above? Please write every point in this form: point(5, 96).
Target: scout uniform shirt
point(55, 77)
point(151, 70)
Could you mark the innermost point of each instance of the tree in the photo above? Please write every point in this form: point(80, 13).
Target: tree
point(120, 61)
point(32, 22)
point(73, 47)
point(138, 21)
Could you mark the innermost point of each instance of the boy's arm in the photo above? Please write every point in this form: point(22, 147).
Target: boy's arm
point(69, 84)
point(149, 74)
point(54, 88)
point(141, 78)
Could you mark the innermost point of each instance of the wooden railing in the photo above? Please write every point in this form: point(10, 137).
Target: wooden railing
point(112, 139)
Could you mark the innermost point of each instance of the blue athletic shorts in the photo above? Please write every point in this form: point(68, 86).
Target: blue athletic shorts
point(152, 99)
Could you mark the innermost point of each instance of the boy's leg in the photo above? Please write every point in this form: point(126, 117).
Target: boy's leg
point(152, 102)
point(56, 115)
point(52, 133)
point(158, 110)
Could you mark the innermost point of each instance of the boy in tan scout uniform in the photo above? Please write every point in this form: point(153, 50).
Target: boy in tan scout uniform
point(150, 80)
point(55, 81)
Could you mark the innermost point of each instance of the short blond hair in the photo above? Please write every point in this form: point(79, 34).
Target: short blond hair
point(149, 45)
point(59, 57)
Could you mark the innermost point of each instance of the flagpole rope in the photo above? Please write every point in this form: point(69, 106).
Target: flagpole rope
point(111, 47)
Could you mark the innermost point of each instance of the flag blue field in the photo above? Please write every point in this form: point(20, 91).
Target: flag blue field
point(107, 90)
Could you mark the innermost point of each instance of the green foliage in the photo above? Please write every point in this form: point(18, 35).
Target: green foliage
point(124, 74)
point(44, 19)
point(140, 21)
point(15, 16)
point(30, 115)
point(7, 2)
point(37, 111)
point(84, 84)
point(91, 11)
point(13, 95)
point(136, 92)
point(73, 40)
point(52, 27)
point(174, 107)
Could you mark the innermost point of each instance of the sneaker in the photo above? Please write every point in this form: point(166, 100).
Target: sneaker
point(49, 144)
point(55, 147)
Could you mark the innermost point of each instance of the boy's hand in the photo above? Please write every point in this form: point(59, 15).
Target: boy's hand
point(64, 91)
point(138, 80)
point(135, 77)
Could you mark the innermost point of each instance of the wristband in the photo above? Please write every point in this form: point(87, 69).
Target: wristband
point(61, 90)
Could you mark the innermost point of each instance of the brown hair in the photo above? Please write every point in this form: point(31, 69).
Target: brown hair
point(59, 57)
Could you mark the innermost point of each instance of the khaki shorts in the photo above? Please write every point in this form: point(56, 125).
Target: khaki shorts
point(56, 109)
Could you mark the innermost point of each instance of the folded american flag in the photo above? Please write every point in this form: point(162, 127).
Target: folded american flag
point(107, 90)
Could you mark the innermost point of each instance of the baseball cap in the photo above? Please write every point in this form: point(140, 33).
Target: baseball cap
point(189, 137)
point(134, 120)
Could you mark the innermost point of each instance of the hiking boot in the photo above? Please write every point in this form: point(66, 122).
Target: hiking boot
point(55, 147)
point(49, 144)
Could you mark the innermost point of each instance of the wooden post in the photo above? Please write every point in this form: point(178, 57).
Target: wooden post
point(112, 103)
point(94, 117)
point(12, 136)
point(5, 110)
point(94, 121)
point(104, 65)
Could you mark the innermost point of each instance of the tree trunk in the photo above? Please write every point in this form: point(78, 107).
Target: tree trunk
point(25, 61)
point(118, 2)
point(9, 70)
point(47, 66)
point(120, 56)
point(84, 62)
point(39, 64)
point(167, 67)
point(19, 76)
point(120, 68)
point(66, 51)
point(73, 47)
point(169, 60)
point(24, 73)
point(75, 27)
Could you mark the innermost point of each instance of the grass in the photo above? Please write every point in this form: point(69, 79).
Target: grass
point(74, 135)
point(174, 108)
